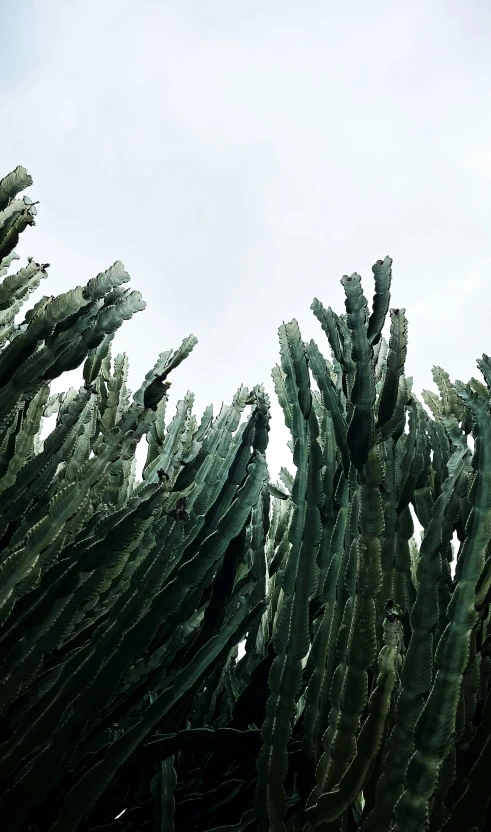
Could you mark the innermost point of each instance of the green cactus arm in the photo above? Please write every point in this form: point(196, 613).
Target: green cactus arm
point(190, 445)
point(403, 591)
point(6, 262)
point(286, 478)
point(469, 693)
point(24, 383)
point(412, 463)
point(394, 426)
point(81, 449)
point(335, 668)
point(341, 371)
point(278, 376)
point(166, 362)
point(446, 777)
point(115, 401)
point(423, 504)
point(484, 365)
point(389, 541)
point(277, 492)
point(322, 655)
point(396, 359)
point(329, 322)
point(331, 400)
point(16, 288)
point(318, 658)
point(95, 357)
point(106, 282)
point(382, 272)
point(441, 453)
point(337, 740)
point(291, 636)
point(166, 453)
point(484, 584)
point(332, 804)
point(205, 424)
point(380, 351)
point(372, 523)
point(361, 651)
point(433, 402)
point(450, 403)
point(14, 219)
point(24, 440)
point(162, 788)
point(346, 708)
point(158, 368)
point(156, 436)
point(361, 426)
point(330, 455)
point(12, 184)
point(174, 445)
point(347, 377)
point(259, 571)
point(276, 552)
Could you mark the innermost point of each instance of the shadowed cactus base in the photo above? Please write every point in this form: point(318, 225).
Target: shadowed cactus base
point(361, 699)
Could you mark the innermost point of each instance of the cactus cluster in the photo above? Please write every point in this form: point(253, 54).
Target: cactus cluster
point(360, 698)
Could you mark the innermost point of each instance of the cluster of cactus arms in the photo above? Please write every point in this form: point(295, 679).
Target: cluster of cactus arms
point(205, 650)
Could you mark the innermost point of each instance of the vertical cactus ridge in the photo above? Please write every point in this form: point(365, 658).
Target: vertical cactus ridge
point(291, 640)
point(361, 427)
point(332, 803)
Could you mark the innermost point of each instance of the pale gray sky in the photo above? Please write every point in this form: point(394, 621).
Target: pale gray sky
point(239, 156)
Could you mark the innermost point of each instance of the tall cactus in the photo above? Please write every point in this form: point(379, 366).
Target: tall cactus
point(360, 697)
point(101, 576)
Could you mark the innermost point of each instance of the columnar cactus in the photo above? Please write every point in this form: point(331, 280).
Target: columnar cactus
point(205, 649)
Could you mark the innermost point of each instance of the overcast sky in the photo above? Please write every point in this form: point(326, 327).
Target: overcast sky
point(240, 156)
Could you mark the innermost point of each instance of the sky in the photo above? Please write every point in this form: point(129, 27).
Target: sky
point(240, 156)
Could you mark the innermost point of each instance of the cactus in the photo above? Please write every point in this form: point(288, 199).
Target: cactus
point(361, 698)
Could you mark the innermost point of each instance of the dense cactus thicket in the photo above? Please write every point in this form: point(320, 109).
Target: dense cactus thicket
point(361, 697)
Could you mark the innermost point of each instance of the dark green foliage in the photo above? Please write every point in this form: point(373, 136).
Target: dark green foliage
point(361, 699)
